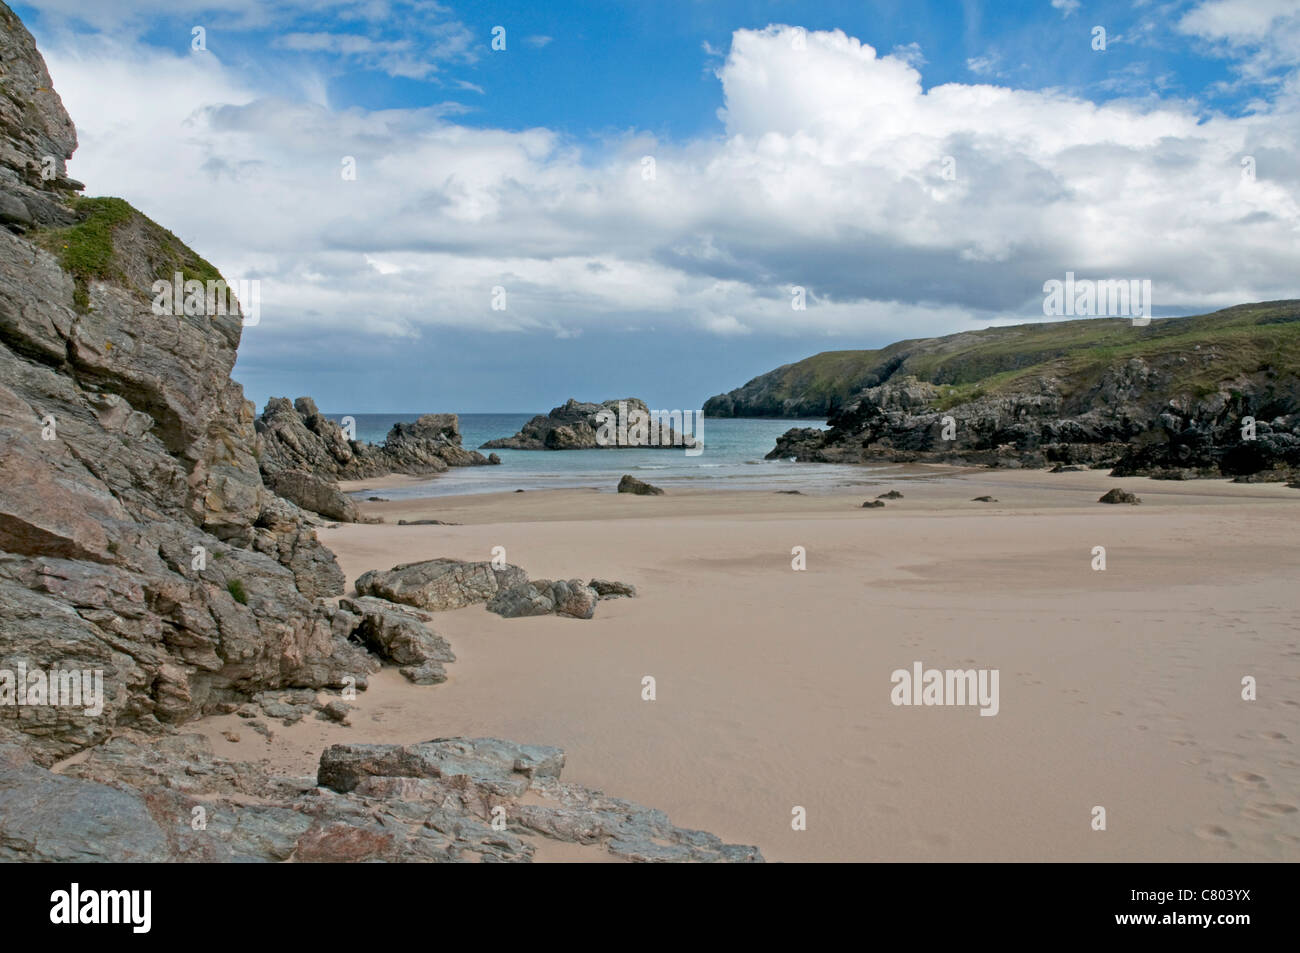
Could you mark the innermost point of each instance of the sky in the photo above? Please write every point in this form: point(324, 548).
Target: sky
point(497, 206)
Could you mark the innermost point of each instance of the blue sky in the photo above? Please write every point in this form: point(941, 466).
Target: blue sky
point(795, 145)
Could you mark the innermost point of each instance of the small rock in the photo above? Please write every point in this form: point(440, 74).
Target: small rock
point(1119, 496)
point(872, 504)
point(231, 736)
point(611, 589)
point(335, 711)
point(630, 484)
point(429, 672)
point(891, 495)
point(983, 499)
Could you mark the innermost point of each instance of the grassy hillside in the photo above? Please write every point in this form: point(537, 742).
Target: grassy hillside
point(1216, 347)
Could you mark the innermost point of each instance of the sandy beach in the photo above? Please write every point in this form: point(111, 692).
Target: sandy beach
point(1119, 688)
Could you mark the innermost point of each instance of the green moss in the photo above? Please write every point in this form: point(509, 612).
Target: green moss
point(87, 250)
point(236, 590)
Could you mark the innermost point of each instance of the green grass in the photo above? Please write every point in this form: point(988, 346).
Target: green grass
point(237, 592)
point(1198, 353)
point(87, 250)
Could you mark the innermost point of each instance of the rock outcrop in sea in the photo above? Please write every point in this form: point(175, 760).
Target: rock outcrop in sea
point(296, 436)
point(576, 425)
point(141, 546)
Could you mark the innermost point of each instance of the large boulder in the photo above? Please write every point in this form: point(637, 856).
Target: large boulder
point(440, 584)
point(313, 493)
point(401, 635)
point(542, 597)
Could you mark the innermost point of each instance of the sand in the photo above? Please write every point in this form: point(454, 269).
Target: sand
point(1118, 688)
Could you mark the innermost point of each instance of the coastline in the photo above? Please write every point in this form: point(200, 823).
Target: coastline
point(773, 685)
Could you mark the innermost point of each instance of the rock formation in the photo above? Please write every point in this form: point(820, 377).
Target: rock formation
point(574, 425)
point(140, 545)
point(297, 436)
point(630, 484)
point(1209, 395)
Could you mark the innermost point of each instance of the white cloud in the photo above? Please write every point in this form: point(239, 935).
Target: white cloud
point(830, 174)
point(1067, 7)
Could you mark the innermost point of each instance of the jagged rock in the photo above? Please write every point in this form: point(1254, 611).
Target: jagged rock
point(574, 598)
point(525, 599)
point(1119, 496)
point(542, 597)
point(336, 711)
point(507, 765)
point(426, 673)
point(400, 635)
point(439, 584)
point(891, 495)
point(312, 493)
point(630, 484)
point(872, 504)
point(296, 436)
point(140, 543)
point(574, 425)
point(612, 589)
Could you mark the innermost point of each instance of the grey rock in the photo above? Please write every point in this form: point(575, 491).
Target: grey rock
point(1118, 495)
point(630, 484)
point(575, 425)
point(397, 634)
point(439, 584)
point(313, 493)
point(612, 589)
point(542, 597)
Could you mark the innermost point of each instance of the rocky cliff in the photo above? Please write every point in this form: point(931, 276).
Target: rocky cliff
point(139, 542)
point(1212, 395)
point(302, 454)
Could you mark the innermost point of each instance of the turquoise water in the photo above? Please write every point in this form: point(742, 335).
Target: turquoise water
point(732, 460)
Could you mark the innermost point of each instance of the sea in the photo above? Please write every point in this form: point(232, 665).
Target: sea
point(733, 459)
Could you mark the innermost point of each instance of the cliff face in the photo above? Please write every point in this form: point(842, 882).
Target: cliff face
point(142, 554)
point(1212, 395)
point(136, 534)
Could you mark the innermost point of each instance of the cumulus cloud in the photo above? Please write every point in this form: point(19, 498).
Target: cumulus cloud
point(903, 211)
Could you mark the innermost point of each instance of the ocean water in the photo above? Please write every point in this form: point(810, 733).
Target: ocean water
point(732, 459)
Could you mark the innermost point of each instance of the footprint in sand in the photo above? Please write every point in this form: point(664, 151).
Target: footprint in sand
point(1213, 832)
point(1248, 777)
point(1261, 811)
